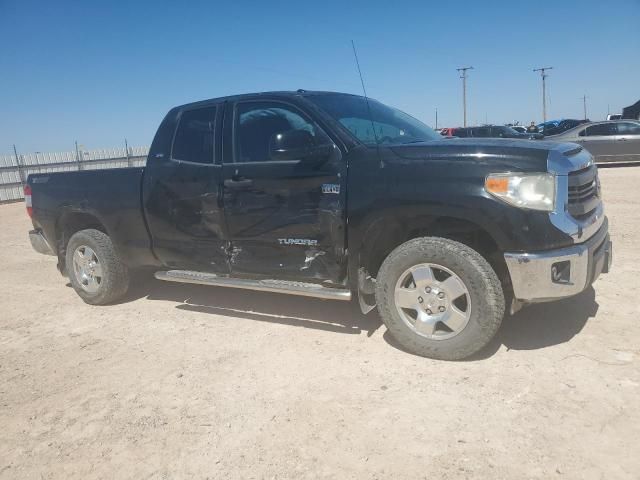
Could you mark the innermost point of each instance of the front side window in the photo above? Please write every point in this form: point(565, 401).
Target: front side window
point(258, 123)
point(628, 128)
point(602, 129)
point(375, 122)
point(194, 137)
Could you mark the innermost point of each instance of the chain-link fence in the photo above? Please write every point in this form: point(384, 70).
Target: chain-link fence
point(14, 169)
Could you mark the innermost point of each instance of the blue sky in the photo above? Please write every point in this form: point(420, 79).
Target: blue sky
point(99, 72)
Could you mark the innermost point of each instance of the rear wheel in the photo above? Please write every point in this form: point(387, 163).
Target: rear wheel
point(439, 298)
point(95, 270)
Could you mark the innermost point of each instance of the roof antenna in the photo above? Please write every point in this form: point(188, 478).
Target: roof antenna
point(366, 99)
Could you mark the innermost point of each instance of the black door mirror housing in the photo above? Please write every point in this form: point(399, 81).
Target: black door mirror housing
point(295, 145)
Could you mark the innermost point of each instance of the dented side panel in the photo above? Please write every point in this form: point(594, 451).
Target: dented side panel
point(287, 223)
point(286, 218)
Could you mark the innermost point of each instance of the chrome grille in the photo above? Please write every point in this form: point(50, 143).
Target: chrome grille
point(583, 192)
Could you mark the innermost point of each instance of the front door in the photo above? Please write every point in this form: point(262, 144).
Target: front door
point(628, 141)
point(599, 140)
point(182, 196)
point(284, 200)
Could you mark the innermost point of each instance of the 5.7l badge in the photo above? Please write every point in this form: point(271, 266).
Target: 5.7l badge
point(333, 188)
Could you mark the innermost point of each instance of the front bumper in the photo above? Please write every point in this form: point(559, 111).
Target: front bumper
point(39, 243)
point(555, 274)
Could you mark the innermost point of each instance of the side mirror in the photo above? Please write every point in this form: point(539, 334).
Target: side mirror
point(296, 145)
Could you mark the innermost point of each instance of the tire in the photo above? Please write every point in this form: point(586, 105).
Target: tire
point(482, 302)
point(98, 275)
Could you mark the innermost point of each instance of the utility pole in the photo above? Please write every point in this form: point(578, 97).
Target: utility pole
point(463, 75)
point(544, 76)
point(126, 147)
point(584, 105)
point(18, 166)
point(78, 156)
point(436, 119)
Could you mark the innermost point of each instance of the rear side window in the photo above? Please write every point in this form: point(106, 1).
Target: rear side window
point(602, 129)
point(195, 136)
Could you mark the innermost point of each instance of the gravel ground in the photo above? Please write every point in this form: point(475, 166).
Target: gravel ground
point(185, 381)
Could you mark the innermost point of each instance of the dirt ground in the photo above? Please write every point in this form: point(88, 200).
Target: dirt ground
point(183, 381)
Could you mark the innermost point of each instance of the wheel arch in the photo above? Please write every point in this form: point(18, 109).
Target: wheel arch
point(68, 223)
point(386, 232)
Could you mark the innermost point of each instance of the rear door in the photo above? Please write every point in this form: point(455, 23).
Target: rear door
point(182, 198)
point(628, 141)
point(285, 212)
point(600, 140)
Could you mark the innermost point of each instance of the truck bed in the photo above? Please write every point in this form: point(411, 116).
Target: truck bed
point(112, 196)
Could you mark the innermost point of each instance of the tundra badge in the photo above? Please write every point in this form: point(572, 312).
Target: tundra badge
point(298, 241)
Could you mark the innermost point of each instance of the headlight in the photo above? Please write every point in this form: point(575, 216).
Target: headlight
point(535, 191)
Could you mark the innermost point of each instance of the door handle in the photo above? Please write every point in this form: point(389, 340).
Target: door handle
point(238, 182)
point(622, 139)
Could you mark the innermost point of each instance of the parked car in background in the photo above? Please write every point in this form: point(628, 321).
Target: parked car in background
point(610, 141)
point(447, 132)
point(563, 126)
point(547, 125)
point(494, 131)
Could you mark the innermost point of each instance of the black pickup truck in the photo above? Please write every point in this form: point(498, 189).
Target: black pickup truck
point(332, 195)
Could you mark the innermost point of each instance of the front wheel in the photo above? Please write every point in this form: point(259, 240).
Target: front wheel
point(439, 298)
point(95, 269)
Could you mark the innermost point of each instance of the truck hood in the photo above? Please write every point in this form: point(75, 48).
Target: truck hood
point(506, 154)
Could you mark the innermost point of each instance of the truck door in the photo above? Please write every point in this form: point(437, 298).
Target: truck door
point(284, 196)
point(181, 194)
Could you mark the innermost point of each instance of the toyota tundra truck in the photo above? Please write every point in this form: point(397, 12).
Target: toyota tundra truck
point(339, 197)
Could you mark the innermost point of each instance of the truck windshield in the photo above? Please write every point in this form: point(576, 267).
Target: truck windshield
point(385, 125)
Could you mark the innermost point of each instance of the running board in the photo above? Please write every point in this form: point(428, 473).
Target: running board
point(277, 286)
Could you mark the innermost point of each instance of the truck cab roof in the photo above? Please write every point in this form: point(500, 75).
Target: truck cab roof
point(276, 93)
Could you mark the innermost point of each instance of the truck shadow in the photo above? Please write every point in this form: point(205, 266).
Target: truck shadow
point(535, 327)
point(544, 324)
point(295, 311)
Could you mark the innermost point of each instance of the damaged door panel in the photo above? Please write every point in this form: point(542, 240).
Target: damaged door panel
point(283, 201)
point(182, 194)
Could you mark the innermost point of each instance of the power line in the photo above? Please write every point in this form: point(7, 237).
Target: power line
point(463, 75)
point(544, 76)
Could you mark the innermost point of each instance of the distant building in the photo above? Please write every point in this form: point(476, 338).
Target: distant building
point(632, 111)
